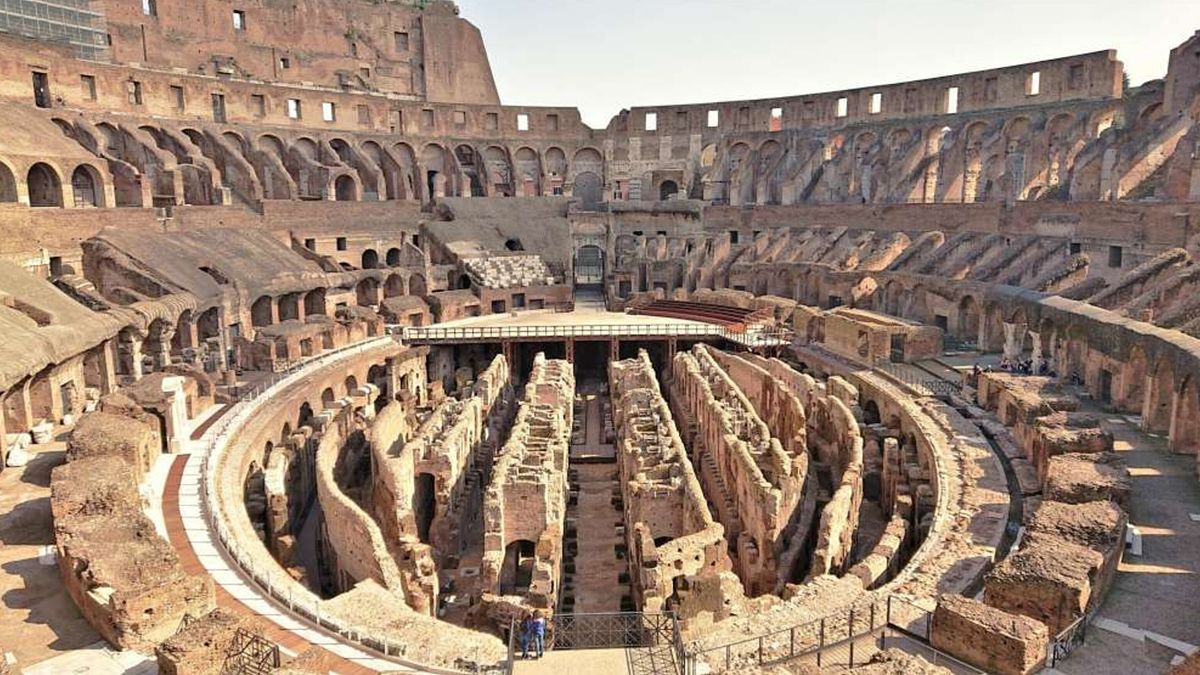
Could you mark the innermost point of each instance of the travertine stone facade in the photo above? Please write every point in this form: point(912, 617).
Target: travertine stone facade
point(670, 533)
point(524, 508)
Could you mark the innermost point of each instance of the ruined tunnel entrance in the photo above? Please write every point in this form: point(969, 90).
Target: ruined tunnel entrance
point(589, 266)
point(424, 505)
point(516, 575)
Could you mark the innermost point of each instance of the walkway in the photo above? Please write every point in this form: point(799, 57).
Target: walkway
point(1150, 613)
point(200, 553)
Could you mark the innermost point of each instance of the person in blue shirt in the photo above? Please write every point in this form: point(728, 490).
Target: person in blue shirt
point(539, 632)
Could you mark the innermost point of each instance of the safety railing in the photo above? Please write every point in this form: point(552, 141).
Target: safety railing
point(750, 336)
point(608, 630)
point(1063, 644)
point(271, 579)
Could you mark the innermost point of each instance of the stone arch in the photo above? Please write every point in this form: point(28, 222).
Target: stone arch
point(367, 292)
point(1185, 425)
point(351, 385)
point(237, 140)
point(417, 286)
point(1133, 380)
point(272, 144)
point(314, 302)
point(8, 183)
point(44, 185)
point(667, 189)
point(708, 156)
point(516, 572)
point(968, 318)
point(394, 286)
point(529, 171)
point(345, 188)
point(556, 162)
point(392, 257)
point(87, 186)
point(589, 190)
point(437, 180)
point(370, 259)
point(1160, 398)
point(328, 396)
point(307, 147)
point(260, 312)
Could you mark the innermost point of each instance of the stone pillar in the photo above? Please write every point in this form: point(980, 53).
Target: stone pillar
point(1014, 338)
point(175, 413)
point(162, 349)
point(614, 350)
point(672, 347)
point(571, 350)
point(1038, 358)
point(132, 350)
point(106, 361)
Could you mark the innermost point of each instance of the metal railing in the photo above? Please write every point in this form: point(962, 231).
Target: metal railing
point(1063, 644)
point(610, 630)
point(751, 335)
point(270, 578)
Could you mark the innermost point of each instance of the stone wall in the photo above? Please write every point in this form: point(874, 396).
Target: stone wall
point(998, 642)
point(669, 531)
point(126, 580)
point(524, 508)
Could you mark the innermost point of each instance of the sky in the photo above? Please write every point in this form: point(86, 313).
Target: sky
point(605, 55)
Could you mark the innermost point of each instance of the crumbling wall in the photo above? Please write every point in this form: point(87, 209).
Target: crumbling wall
point(126, 580)
point(669, 530)
point(1048, 579)
point(745, 471)
point(526, 500)
point(986, 637)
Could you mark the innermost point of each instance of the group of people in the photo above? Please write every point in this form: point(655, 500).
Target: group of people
point(1025, 367)
point(533, 633)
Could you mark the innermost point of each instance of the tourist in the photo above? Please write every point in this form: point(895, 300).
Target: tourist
point(526, 634)
point(539, 632)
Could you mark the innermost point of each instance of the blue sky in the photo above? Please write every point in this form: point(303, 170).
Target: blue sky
point(605, 55)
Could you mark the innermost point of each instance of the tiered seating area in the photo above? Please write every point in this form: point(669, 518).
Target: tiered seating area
point(735, 318)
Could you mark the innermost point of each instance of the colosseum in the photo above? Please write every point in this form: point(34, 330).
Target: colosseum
point(317, 358)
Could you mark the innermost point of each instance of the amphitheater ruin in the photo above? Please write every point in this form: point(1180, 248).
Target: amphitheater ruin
point(316, 358)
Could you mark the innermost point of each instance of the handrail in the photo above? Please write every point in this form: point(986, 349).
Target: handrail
point(221, 435)
point(747, 335)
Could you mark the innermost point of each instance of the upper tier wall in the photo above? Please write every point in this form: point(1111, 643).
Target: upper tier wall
point(1084, 77)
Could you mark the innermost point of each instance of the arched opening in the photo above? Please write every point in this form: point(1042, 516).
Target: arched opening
point(1161, 397)
point(968, 319)
point(260, 312)
point(516, 573)
point(462, 282)
point(416, 286)
point(1133, 379)
point(871, 413)
point(424, 504)
point(367, 292)
point(306, 414)
point(289, 307)
point(345, 190)
point(45, 187)
point(667, 189)
point(394, 286)
point(351, 385)
point(392, 257)
point(514, 245)
point(314, 302)
point(370, 259)
point(86, 187)
point(8, 184)
point(328, 397)
point(1185, 432)
point(589, 190)
point(589, 265)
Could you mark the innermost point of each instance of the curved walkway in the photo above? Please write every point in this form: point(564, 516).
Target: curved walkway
point(200, 553)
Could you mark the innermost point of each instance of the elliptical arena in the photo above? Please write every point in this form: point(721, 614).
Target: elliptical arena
point(317, 358)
